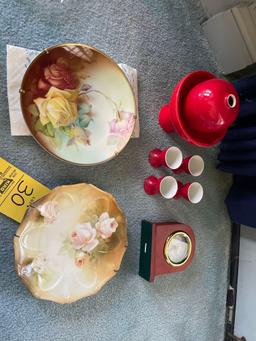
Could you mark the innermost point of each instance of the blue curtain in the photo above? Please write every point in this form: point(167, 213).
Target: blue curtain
point(238, 156)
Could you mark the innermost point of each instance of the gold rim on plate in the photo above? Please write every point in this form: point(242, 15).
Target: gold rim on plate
point(126, 85)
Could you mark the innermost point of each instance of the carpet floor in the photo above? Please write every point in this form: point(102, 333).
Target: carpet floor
point(163, 41)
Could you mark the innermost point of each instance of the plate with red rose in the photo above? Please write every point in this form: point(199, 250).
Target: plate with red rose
point(78, 104)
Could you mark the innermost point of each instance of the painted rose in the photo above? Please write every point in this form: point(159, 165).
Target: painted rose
point(39, 264)
point(79, 135)
point(84, 237)
point(59, 107)
point(57, 75)
point(122, 126)
point(49, 211)
point(106, 225)
point(25, 270)
point(81, 258)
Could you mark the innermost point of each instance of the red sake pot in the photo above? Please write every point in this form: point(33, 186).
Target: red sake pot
point(201, 109)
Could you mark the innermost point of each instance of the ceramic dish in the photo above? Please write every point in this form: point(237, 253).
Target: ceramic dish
point(70, 243)
point(78, 104)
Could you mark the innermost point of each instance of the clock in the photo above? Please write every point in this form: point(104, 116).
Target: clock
point(165, 248)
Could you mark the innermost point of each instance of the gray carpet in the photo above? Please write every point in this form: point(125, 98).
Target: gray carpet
point(163, 40)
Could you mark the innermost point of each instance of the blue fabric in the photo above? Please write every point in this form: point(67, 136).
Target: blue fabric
point(237, 146)
point(241, 201)
point(238, 133)
point(238, 167)
point(246, 87)
point(236, 155)
point(247, 110)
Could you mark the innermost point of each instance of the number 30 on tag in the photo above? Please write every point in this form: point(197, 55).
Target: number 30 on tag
point(17, 191)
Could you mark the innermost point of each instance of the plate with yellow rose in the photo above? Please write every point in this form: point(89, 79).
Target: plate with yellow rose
point(78, 104)
point(70, 243)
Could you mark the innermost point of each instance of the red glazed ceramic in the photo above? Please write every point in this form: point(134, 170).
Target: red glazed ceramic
point(201, 109)
point(169, 157)
point(211, 106)
point(167, 186)
point(193, 165)
point(192, 192)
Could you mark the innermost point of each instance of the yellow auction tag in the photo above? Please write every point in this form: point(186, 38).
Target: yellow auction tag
point(17, 191)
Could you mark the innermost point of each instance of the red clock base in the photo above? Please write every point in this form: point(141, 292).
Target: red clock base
point(165, 248)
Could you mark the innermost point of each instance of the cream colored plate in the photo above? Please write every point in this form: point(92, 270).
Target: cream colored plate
point(70, 243)
point(78, 104)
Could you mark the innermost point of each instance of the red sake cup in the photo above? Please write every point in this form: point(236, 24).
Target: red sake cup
point(193, 165)
point(192, 192)
point(170, 157)
point(167, 186)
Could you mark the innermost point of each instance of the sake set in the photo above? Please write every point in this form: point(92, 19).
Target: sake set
point(168, 186)
point(80, 107)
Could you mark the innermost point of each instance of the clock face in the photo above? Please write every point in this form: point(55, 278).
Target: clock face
point(177, 249)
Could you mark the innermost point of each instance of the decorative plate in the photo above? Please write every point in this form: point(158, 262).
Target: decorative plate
point(78, 104)
point(70, 243)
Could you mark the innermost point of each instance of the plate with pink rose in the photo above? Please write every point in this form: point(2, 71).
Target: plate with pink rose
point(70, 243)
point(78, 104)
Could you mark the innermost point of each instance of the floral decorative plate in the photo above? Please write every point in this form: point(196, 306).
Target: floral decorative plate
point(70, 243)
point(78, 104)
